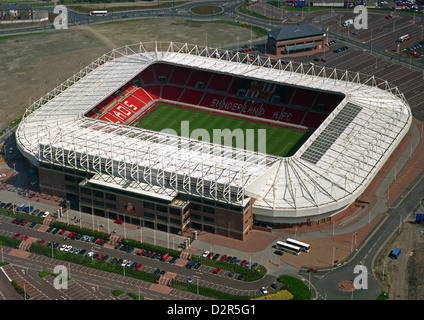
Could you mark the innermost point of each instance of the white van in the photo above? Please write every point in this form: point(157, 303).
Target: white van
point(347, 23)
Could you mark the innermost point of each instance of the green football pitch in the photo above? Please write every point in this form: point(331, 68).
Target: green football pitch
point(200, 125)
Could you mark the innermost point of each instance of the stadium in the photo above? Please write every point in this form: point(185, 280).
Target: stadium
point(98, 140)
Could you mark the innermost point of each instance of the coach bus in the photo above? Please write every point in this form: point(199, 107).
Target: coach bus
point(303, 246)
point(98, 13)
point(288, 247)
point(404, 38)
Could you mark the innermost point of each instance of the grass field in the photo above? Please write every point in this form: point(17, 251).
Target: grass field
point(279, 141)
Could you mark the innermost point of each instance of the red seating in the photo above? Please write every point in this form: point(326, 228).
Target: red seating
point(314, 119)
point(304, 98)
point(108, 101)
point(232, 104)
point(212, 100)
point(162, 70)
point(126, 88)
point(270, 111)
point(199, 76)
point(219, 82)
point(171, 92)
point(252, 108)
point(153, 91)
point(110, 118)
point(147, 76)
point(132, 103)
point(285, 93)
point(180, 75)
point(142, 95)
point(292, 115)
point(121, 113)
point(191, 96)
point(328, 101)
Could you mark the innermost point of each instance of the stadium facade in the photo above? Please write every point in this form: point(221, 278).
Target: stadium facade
point(177, 184)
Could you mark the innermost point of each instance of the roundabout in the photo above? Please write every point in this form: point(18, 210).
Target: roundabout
point(206, 10)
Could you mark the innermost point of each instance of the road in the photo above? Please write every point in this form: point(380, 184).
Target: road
point(326, 281)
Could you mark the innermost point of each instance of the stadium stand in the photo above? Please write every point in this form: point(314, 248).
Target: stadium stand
point(260, 99)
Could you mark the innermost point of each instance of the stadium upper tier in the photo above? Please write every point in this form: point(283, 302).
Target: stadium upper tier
point(327, 173)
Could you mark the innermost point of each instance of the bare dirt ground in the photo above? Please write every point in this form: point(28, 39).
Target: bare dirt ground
point(32, 65)
point(403, 278)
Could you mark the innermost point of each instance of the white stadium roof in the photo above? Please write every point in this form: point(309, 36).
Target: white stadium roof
point(329, 171)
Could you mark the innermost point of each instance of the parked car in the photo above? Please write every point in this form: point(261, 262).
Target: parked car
point(263, 290)
point(205, 254)
point(241, 277)
point(217, 270)
point(191, 279)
